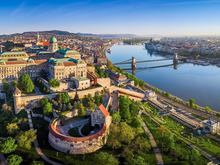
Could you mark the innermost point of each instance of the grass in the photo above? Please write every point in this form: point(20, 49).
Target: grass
point(74, 132)
point(199, 117)
point(86, 129)
point(168, 158)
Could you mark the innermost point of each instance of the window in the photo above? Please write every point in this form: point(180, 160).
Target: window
point(71, 145)
point(56, 141)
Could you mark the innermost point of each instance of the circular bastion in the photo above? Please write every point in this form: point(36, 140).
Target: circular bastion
point(76, 145)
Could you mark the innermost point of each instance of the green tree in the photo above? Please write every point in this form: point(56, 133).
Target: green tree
point(91, 104)
point(67, 160)
point(136, 122)
point(7, 145)
point(104, 158)
point(97, 100)
point(193, 156)
point(47, 109)
point(116, 118)
point(5, 86)
point(14, 159)
point(43, 102)
point(167, 142)
point(65, 97)
point(82, 111)
point(110, 65)
point(76, 98)
point(25, 139)
point(207, 109)
point(59, 98)
point(12, 128)
point(14, 84)
point(167, 94)
point(54, 83)
point(25, 83)
point(37, 163)
point(196, 106)
point(191, 102)
point(124, 107)
point(133, 109)
point(162, 131)
point(141, 83)
point(9, 92)
point(135, 161)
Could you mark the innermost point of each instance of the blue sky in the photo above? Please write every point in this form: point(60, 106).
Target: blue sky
point(141, 17)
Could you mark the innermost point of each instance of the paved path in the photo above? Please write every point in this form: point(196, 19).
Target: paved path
point(37, 90)
point(154, 145)
point(115, 101)
point(36, 142)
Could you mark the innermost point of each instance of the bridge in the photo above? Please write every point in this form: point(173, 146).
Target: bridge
point(134, 61)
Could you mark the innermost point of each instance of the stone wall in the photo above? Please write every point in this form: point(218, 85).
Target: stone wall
point(105, 82)
point(114, 88)
point(91, 69)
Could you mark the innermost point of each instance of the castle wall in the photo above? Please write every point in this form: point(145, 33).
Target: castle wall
point(105, 82)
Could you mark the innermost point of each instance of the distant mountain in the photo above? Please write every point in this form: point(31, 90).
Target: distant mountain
point(106, 35)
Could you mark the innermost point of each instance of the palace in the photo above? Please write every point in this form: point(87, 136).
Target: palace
point(60, 64)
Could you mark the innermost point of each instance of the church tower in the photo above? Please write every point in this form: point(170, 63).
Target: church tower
point(53, 45)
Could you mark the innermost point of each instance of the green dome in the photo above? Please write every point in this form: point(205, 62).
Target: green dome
point(53, 40)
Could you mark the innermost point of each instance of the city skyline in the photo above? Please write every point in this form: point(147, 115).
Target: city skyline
point(165, 18)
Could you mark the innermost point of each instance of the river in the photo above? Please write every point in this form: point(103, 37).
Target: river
point(187, 81)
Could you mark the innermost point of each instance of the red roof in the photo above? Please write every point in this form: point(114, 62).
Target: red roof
point(15, 62)
point(122, 92)
point(46, 43)
point(40, 61)
point(104, 111)
point(69, 63)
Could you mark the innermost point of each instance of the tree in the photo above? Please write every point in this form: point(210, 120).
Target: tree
point(37, 163)
point(25, 83)
point(25, 139)
point(207, 109)
point(82, 111)
point(141, 83)
point(9, 92)
point(191, 135)
point(193, 156)
point(67, 160)
point(116, 118)
point(43, 102)
point(135, 161)
point(191, 102)
point(5, 86)
point(167, 141)
point(97, 101)
point(124, 107)
point(12, 128)
point(14, 84)
point(162, 130)
point(43, 74)
point(54, 83)
point(133, 110)
point(167, 94)
point(136, 122)
point(110, 65)
point(196, 106)
point(7, 145)
point(14, 159)
point(76, 98)
point(69, 106)
point(104, 158)
point(138, 146)
point(65, 97)
point(91, 104)
point(47, 109)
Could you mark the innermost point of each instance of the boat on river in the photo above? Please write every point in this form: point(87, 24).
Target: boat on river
point(109, 51)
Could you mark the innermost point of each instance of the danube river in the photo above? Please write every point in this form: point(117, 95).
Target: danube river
point(187, 81)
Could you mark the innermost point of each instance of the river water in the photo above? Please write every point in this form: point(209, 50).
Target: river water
point(187, 81)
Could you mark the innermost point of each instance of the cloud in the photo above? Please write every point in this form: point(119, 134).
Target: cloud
point(36, 8)
point(19, 8)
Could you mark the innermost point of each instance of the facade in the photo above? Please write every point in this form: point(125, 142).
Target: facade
point(86, 144)
point(211, 126)
point(66, 68)
point(13, 56)
point(81, 82)
point(102, 60)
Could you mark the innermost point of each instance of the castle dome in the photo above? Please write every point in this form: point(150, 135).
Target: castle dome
point(53, 40)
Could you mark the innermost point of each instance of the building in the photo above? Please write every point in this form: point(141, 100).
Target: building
point(211, 126)
point(67, 53)
point(102, 60)
point(66, 68)
point(13, 56)
point(81, 82)
point(53, 47)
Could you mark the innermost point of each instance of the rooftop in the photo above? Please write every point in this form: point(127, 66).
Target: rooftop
point(80, 78)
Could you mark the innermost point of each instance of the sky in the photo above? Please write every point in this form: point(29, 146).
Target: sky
point(140, 17)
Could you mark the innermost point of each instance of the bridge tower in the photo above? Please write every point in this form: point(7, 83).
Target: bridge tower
point(133, 64)
point(175, 60)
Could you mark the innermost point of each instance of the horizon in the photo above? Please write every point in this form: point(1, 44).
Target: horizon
point(163, 18)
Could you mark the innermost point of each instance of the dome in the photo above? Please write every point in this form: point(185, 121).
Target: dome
point(53, 40)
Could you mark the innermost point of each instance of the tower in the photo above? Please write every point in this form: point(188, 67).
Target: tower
point(1, 49)
point(53, 45)
point(17, 100)
point(133, 64)
point(38, 37)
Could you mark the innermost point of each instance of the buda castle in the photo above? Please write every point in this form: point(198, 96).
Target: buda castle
point(59, 64)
